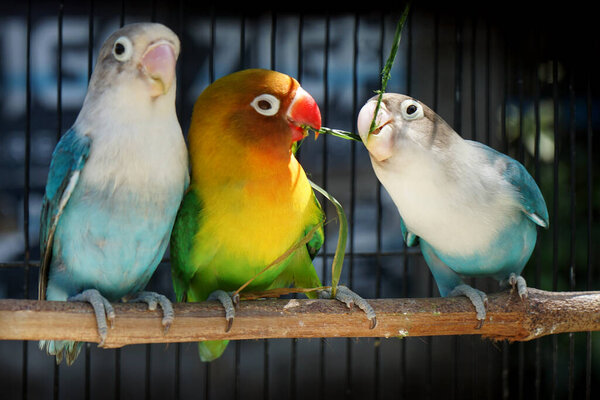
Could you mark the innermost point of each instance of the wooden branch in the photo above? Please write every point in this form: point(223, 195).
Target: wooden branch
point(543, 313)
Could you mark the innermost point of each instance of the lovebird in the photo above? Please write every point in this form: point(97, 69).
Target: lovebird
point(249, 200)
point(474, 211)
point(116, 180)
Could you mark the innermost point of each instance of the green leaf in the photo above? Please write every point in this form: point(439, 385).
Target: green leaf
point(338, 258)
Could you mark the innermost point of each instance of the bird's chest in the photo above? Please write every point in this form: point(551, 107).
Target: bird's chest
point(251, 224)
point(453, 215)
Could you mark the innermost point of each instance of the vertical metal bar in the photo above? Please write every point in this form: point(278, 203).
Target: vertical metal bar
point(122, 16)
point(408, 83)
point(90, 68)
point(237, 383)
point(293, 369)
point(379, 187)
point(294, 350)
point(488, 138)
point(273, 39)
point(26, 182)
point(488, 63)
point(91, 39)
point(555, 210)
point(505, 346)
point(266, 394)
point(324, 172)
point(117, 394)
point(505, 95)
point(538, 264)
point(153, 11)
point(436, 65)
point(521, 158)
point(266, 364)
point(473, 340)
point(300, 40)
point(206, 381)
point(457, 122)
point(179, 101)
point(211, 77)
point(59, 50)
point(588, 284)
point(243, 41)
point(211, 53)
point(379, 219)
point(572, 110)
point(352, 218)
point(148, 377)
point(458, 72)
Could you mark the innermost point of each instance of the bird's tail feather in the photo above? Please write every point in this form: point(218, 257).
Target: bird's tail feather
point(62, 349)
point(211, 349)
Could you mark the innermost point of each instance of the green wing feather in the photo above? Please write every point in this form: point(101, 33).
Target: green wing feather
point(185, 228)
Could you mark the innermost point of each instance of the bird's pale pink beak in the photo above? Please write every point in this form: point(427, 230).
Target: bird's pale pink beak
point(159, 64)
point(302, 113)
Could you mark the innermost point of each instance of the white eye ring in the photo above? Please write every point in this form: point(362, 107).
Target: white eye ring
point(266, 104)
point(122, 49)
point(411, 110)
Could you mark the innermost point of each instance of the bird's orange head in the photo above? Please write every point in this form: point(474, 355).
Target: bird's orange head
point(254, 110)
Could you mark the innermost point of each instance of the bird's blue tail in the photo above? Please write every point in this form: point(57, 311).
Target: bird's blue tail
point(62, 349)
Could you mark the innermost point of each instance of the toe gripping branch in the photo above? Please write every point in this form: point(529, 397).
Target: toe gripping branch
point(229, 302)
point(350, 298)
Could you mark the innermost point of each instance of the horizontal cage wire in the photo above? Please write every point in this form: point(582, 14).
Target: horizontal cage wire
point(522, 82)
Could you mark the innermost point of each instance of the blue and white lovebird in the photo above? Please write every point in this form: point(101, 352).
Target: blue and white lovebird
point(115, 182)
point(472, 209)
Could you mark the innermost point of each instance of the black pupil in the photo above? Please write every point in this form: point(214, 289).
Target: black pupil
point(264, 105)
point(119, 49)
point(411, 109)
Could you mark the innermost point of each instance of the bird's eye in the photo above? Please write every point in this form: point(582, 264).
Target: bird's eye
point(265, 104)
point(123, 49)
point(411, 109)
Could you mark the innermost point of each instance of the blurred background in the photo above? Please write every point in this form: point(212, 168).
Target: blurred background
point(520, 77)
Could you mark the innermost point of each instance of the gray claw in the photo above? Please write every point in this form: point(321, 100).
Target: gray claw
point(153, 299)
point(477, 297)
point(102, 309)
point(350, 298)
point(228, 302)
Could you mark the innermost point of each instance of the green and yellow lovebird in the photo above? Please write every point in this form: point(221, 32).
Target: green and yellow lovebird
point(249, 200)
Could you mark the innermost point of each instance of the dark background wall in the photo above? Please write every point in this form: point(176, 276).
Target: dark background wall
point(521, 77)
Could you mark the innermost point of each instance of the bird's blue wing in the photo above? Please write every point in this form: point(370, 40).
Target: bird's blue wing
point(531, 199)
point(68, 160)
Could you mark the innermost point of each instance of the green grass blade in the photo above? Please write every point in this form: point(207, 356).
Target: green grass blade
point(339, 133)
point(338, 258)
point(386, 72)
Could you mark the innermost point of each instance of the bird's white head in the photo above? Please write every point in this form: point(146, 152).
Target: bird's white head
point(139, 57)
point(401, 124)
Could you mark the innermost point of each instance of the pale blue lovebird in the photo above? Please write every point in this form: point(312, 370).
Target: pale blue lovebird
point(472, 209)
point(115, 183)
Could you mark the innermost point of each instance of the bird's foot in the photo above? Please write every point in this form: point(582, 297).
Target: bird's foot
point(229, 303)
point(350, 298)
point(519, 282)
point(102, 308)
point(153, 299)
point(477, 297)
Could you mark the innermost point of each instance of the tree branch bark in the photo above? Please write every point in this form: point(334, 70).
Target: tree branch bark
point(509, 318)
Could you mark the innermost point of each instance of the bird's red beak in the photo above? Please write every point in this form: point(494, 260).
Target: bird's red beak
point(303, 113)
